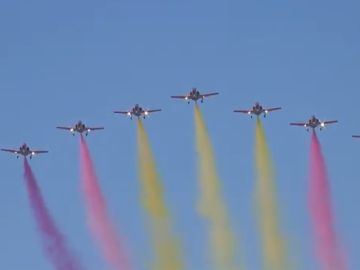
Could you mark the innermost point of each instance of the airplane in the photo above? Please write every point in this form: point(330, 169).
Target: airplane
point(313, 123)
point(356, 136)
point(80, 127)
point(137, 111)
point(25, 151)
point(195, 96)
point(257, 110)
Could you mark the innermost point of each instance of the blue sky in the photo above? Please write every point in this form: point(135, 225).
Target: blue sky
point(70, 60)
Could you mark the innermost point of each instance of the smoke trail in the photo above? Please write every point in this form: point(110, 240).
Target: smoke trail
point(53, 241)
point(274, 249)
point(98, 218)
point(211, 204)
point(321, 211)
point(165, 245)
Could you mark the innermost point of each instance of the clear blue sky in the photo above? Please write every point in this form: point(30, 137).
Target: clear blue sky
point(61, 61)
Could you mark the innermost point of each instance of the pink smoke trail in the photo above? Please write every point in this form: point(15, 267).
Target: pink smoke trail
point(98, 218)
point(53, 241)
point(326, 245)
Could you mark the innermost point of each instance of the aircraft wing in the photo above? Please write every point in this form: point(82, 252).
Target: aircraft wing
point(154, 110)
point(10, 150)
point(243, 111)
point(94, 128)
point(273, 109)
point(65, 128)
point(210, 94)
point(180, 97)
point(330, 122)
point(299, 124)
point(122, 112)
point(39, 151)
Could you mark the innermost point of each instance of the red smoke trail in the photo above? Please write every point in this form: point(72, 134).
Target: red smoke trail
point(320, 207)
point(98, 218)
point(53, 240)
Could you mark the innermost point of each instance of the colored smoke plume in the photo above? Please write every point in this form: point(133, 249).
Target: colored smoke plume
point(326, 245)
point(98, 218)
point(211, 205)
point(53, 241)
point(273, 243)
point(164, 243)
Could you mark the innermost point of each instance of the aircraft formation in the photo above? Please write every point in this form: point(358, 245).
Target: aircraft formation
point(194, 95)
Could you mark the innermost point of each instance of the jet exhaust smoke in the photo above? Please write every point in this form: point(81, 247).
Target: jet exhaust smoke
point(54, 242)
point(165, 245)
point(326, 245)
point(211, 205)
point(98, 219)
point(273, 243)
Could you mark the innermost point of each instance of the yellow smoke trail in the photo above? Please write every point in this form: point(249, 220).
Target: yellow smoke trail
point(212, 205)
point(274, 249)
point(165, 245)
